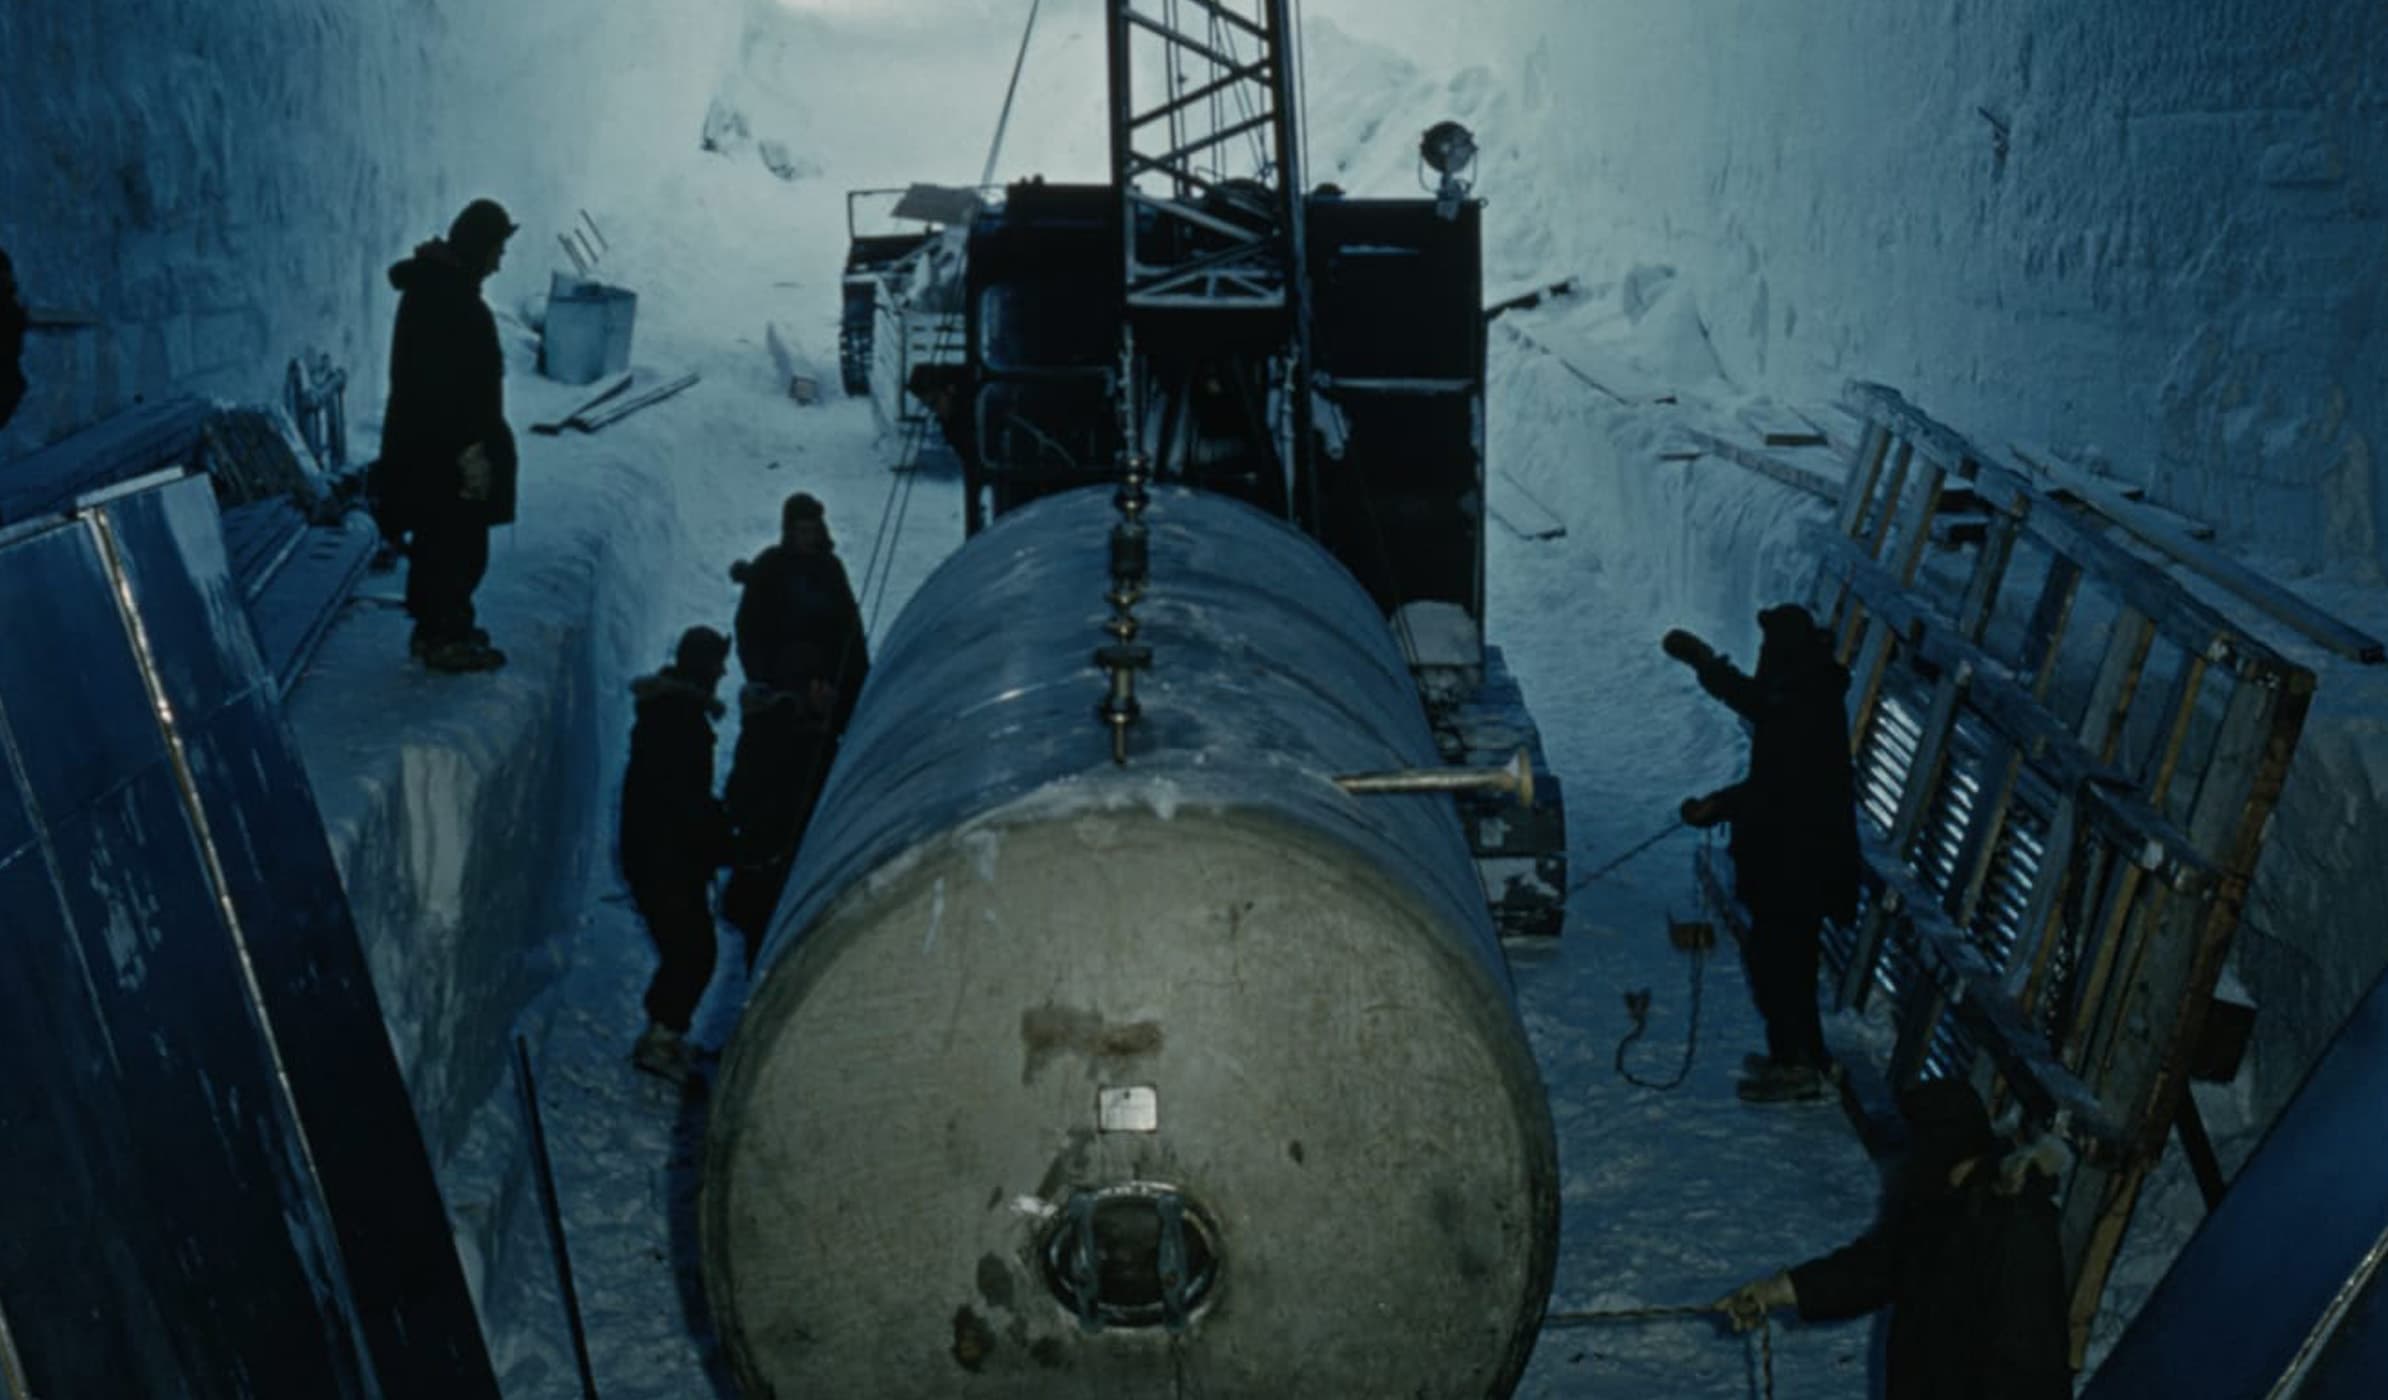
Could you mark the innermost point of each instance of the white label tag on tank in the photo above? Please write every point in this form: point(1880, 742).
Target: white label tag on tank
point(1133, 1109)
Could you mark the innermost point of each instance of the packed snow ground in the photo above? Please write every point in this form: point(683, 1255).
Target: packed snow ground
point(1669, 1198)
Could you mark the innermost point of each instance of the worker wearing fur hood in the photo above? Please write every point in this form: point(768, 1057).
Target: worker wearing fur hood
point(1966, 1256)
point(674, 836)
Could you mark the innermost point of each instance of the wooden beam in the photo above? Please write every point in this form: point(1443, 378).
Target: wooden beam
point(2274, 600)
point(2188, 622)
point(1773, 468)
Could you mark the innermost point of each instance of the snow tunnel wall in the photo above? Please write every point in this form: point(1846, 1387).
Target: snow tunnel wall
point(2155, 237)
point(219, 187)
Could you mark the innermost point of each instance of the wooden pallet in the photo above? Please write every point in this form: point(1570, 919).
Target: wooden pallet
point(2065, 767)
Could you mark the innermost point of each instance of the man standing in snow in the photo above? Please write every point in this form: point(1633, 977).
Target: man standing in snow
point(1794, 843)
point(1967, 1257)
point(801, 644)
point(674, 836)
point(447, 464)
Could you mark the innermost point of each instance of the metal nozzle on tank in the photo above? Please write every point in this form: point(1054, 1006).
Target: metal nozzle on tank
point(1131, 560)
point(1515, 777)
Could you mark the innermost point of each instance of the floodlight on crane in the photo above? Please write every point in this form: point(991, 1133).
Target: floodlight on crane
point(1450, 150)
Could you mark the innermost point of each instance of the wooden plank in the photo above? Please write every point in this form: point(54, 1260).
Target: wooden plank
point(1916, 521)
point(1865, 468)
point(1888, 406)
point(1815, 484)
point(1519, 511)
point(1994, 800)
point(1893, 493)
point(2127, 645)
point(1870, 666)
point(1566, 364)
point(2242, 784)
point(1528, 300)
point(2188, 622)
point(2274, 600)
point(2193, 528)
point(2166, 762)
point(2043, 905)
point(2051, 615)
point(2259, 735)
point(1924, 773)
point(2121, 924)
point(1989, 577)
point(2096, 1210)
point(1977, 854)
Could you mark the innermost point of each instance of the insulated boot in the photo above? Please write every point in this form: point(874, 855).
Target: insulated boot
point(664, 1053)
point(1782, 1084)
point(420, 646)
point(463, 655)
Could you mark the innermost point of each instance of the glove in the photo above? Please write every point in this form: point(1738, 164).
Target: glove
point(474, 467)
point(1746, 1307)
point(1701, 812)
point(1685, 647)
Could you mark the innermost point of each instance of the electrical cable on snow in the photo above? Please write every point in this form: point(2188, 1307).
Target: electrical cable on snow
point(1637, 1005)
point(1643, 845)
point(1592, 1316)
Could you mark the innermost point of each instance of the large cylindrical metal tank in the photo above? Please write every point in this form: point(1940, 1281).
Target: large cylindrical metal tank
point(1194, 1076)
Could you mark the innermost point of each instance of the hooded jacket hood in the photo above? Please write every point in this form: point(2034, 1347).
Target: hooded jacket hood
point(668, 685)
point(432, 263)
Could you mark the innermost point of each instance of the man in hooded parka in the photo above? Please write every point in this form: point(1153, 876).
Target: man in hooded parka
point(1967, 1256)
point(674, 836)
point(1794, 842)
point(447, 468)
point(801, 645)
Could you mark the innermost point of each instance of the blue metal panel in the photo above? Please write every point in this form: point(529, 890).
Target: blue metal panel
point(291, 921)
point(65, 644)
point(212, 1183)
point(162, 1236)
point(2262, 1275)
point(195, 633)
point(133, 443)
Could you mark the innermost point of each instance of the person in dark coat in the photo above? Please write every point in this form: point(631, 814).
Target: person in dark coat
point(801, 644)
point(798, 624)
point(785, 747)
point(447, 468)
point(1967, 1257)
point(674, 836)
point(1794, 841)
point(14, 321)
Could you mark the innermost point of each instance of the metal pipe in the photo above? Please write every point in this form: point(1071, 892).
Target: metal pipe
point(1515, 778)
point(545, 1177)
